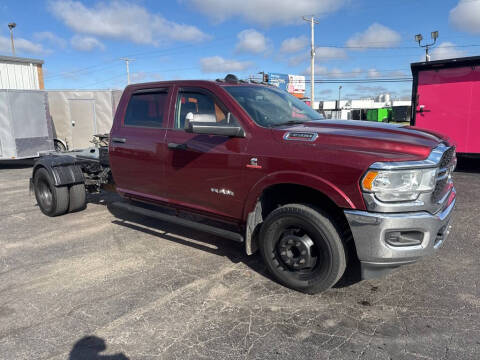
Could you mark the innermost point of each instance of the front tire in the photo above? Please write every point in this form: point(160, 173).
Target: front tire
point(52, 200)
point(302, 248)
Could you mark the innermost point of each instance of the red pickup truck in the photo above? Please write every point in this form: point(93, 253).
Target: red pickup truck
point(258, 166)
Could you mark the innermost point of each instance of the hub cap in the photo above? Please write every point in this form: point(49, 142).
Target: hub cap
point(296, 250)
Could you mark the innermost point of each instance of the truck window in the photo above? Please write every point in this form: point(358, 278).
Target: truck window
point(146, 110)
point(269, 106)
point(198, 103)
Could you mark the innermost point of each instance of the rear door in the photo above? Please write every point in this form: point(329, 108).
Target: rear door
point(204, 171)
point(83, 122)
point(137, 144)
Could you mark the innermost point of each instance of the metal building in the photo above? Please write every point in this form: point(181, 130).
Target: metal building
point(21, 73)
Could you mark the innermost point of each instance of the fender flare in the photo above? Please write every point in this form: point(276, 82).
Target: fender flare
point(324, 186)
point(63, 169)
point(252, 209)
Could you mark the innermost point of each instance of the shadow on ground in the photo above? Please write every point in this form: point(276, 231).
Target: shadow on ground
point(90, 347)
point(212, 244)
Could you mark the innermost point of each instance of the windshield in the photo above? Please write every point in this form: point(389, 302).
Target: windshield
point(272, 107)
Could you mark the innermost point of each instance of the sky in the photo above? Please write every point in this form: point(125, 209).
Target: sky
point(82, 42)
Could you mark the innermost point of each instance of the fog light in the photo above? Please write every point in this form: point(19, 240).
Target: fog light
point(404, 238)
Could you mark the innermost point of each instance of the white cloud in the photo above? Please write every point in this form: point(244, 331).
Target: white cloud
point(142, 76)
point(445, 50)
point(322, 54)
point(373, 90)
point(294, 44)
point(334, 73)
point(298, 59)
point(217, 64)
point(265, 12)
point(466, 16)
point(51, 38)
point(21, 46)
point(373, 73)
point(86, 43)
point(329, 53)
point(376, 35)
point(252, 41)
point(122, 20)
point(397, 73)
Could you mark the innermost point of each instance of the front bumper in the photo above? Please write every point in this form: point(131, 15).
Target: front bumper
point(372, 234)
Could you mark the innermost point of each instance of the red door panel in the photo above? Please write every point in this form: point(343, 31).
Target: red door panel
point(137, 144)
point(204, 171)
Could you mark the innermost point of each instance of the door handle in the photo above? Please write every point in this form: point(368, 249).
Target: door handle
point(119, 140)
point(175, 146)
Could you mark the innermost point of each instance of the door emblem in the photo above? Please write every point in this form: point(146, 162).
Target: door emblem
point(253, 164)
point(222, 191)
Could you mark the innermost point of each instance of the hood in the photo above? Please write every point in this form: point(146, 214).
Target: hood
point(401, 142)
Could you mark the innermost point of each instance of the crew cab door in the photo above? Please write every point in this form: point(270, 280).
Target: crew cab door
point(204, 172)
point(137, 143)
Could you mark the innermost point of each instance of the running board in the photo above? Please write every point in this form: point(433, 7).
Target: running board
point(231, 235)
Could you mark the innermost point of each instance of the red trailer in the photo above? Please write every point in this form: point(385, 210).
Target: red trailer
point(446, 99)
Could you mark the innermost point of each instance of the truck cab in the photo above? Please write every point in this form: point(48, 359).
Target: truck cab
point(312, 195)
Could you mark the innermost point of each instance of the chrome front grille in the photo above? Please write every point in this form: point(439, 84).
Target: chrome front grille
point(446, 165)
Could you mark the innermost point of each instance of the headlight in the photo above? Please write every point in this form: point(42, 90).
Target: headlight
point(399, 185)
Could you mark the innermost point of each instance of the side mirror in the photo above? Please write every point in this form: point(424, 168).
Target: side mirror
point(188, 118)
point(214, 129)
point(206, 124)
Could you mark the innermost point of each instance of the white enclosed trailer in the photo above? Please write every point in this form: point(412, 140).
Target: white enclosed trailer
point(25, 124)
point(77, 115)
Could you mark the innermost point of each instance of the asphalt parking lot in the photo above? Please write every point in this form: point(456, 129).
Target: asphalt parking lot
point(94, 285)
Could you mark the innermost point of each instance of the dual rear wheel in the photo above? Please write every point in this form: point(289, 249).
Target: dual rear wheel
point(57, 200)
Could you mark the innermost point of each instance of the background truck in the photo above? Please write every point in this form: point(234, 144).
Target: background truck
point(445, 99)
point(258, 166)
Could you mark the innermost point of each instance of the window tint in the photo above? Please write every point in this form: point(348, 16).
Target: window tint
point(203, 105)
point(146, 110)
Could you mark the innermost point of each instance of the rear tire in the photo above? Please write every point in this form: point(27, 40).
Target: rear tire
point(78, 198)
point(52, 200)
point(302, 248)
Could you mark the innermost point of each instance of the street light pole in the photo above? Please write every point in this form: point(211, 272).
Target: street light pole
point(11, 26)
point(339, 92)
point(419, 38)
point(312, 22)
point(127, 61)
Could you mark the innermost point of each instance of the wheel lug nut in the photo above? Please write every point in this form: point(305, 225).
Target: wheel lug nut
point(302, 261)
point(304, 252)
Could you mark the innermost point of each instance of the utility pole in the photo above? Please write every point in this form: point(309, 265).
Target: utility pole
point(11, 26)
point(419, 38)
point(312, 21)
point(339, 93)
point(127, 62)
